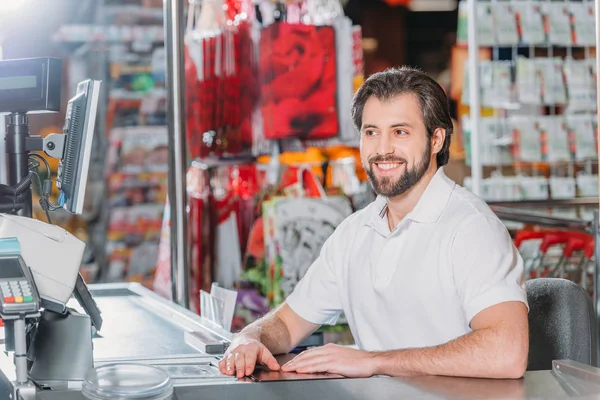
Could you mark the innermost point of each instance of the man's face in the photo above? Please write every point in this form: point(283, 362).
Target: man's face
point(394, 147)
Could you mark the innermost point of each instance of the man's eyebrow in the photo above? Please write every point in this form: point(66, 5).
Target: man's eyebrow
point(396, 125)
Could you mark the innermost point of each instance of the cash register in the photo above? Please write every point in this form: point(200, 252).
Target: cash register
point(39, 261)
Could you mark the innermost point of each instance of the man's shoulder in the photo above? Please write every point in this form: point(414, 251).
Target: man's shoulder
point(465, 208)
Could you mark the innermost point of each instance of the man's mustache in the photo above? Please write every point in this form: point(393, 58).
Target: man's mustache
point(390, 159)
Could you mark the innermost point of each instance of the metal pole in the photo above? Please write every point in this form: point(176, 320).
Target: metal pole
point(3, 164)
point(21, 350)
point(597, 16)
point(597, 213)
point(474, 103)
point(596, 298)
point(180, 267)
point(17, 132)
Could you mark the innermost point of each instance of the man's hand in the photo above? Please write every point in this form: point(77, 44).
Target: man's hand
point(334, 359)
point(243, 355)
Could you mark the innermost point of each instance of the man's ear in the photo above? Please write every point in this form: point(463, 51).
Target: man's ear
point(437, 140)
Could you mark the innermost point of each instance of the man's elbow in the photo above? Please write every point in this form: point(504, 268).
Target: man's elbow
point(515, 363)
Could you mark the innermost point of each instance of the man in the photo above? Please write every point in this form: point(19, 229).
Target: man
point(426, 275)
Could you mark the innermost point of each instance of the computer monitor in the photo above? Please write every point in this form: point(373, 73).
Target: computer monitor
point(79, 124)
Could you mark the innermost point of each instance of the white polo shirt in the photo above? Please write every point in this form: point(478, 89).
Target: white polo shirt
point(420, 284)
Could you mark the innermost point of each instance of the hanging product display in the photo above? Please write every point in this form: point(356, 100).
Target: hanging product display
point(253, 80)
point(295, 230)
point(221, 77)
point(538, 97)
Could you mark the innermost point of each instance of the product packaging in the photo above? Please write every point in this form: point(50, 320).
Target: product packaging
point(555, 138)
point(530, 22)
point(528, 81)
point(553, 84)
point(580, 86)
point(562, 187)
point(494, 82)
point(581, 131)
point(527, 141)
point(505, 23)
point(583, 23)
point(558, 23)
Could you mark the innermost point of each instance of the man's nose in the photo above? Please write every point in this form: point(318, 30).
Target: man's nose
point(385, 145)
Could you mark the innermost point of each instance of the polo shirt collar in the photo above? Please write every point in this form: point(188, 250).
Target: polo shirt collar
point(428, 209)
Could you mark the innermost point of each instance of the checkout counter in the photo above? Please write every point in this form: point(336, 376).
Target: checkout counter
point(54, 333)
point(142, 327)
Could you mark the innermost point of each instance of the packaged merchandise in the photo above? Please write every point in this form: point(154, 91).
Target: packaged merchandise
point(533, 187)
point(295, 230)
point(527, 141)
point(580, 86)
point(530, 22)
point(222, 90)
point(551, 75)
point(357, 53)
point(505, 23)
point(496, 139)
point(581, 130)
point(528, 81)
point(495, 84)
point(587, 185)
point(555, 138)
point(583, 23)
point(557, 23)
point(562, 187)
point(485, 24)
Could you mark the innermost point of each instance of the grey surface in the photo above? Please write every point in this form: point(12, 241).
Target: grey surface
point(132, 330)
point(61, 348)
point(535, 385)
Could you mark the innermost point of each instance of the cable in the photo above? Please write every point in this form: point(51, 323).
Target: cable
point(43, 201)
point(46, 189)
point(44, 161)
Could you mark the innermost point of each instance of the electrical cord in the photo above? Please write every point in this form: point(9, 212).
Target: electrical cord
point(39, 157)
point(43, 203)
point(15, 193)
point(46, 188)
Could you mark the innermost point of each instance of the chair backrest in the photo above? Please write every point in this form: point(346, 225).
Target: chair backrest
point(562, 323)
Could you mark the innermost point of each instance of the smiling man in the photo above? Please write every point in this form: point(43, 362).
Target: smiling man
point(426, 275)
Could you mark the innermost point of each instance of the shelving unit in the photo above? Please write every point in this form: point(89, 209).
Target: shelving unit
point(529, 104)
point(125, 43)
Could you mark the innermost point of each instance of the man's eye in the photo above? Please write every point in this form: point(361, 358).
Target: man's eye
point(369, 133)
point(401, 132)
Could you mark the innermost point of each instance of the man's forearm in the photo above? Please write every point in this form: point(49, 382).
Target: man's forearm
point(272, 332)
point(482, 353)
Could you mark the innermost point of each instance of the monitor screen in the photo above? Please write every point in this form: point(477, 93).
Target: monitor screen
point(10, 268)
point(18, 82)
point(79, 131)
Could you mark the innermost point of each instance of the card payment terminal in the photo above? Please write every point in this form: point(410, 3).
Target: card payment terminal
point(18, 294)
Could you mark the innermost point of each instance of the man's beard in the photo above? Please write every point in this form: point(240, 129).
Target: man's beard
point(386, 186)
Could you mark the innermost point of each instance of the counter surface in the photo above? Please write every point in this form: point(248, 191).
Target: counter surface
point(539, 384)
point(141, 327)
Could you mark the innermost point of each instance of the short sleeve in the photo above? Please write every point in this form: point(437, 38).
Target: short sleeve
point(488, 269)
point(316, 297)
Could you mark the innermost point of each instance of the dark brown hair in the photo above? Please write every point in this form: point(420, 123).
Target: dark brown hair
point(432, 99)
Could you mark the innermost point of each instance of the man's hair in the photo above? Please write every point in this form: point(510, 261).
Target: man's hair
point(432, 99)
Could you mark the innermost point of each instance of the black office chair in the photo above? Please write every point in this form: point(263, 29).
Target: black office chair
point(561, 323)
